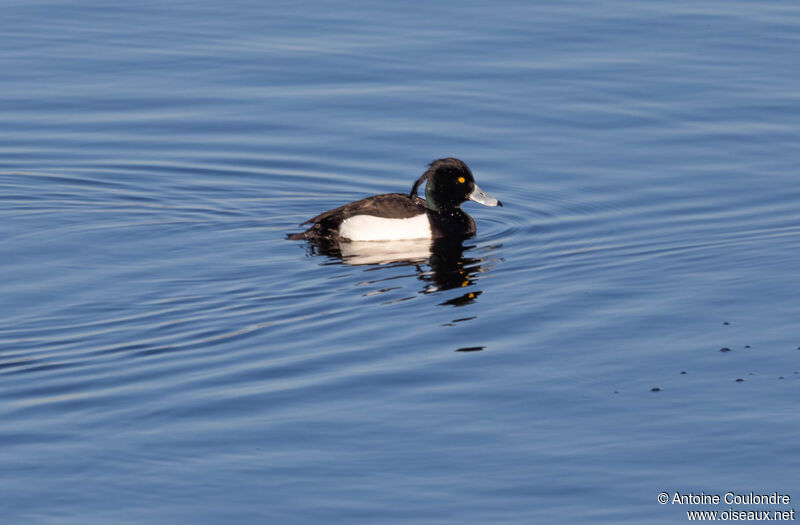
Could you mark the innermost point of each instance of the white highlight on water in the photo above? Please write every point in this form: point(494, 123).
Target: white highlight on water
point(372, 252)
point(370, 228)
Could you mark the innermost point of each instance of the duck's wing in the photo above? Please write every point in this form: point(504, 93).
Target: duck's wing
point(388, 205)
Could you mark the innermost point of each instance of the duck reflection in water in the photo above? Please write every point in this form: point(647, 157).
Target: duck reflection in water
point(447, 267)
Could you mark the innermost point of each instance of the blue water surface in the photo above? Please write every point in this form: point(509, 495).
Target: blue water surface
point(167, 356)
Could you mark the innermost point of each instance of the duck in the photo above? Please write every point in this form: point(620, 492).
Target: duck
point(405, 216)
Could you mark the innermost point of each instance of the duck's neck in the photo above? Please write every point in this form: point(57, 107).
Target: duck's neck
point(447, 208)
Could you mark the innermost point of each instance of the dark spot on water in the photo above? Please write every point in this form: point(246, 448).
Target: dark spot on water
point(750, 373)
point(740, 380)
point(747, 346)
point(463, 300)
point(460, 320)
point(780, 377)
point(726, 323)
point(655, 389)
point(724, 349)
point(684, 372)
point(380, 291)
point(616, 391)
point(471, 349)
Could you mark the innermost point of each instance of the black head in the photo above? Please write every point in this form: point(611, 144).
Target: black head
point(450, 182)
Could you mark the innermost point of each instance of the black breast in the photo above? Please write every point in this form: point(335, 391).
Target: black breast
point(453, 223)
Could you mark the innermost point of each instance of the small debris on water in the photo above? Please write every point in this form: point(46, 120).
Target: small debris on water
point(470, 349)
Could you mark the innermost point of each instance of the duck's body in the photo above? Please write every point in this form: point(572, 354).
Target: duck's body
point(387, 217)
point(397, 216)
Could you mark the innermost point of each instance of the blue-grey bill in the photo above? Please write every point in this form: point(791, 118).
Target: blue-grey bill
point(481, 197)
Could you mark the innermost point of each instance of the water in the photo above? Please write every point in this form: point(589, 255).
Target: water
point(167, 356)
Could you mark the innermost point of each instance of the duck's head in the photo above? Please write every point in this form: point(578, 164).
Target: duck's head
point(450, 182)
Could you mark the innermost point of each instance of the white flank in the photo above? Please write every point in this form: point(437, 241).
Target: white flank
point(370, 228)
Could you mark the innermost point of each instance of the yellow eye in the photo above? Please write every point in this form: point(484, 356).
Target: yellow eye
point(462, 180)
